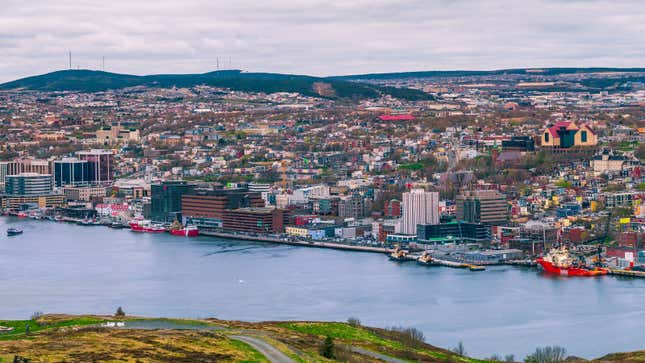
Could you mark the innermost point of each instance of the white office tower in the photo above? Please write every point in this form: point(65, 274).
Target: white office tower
point(419, 207)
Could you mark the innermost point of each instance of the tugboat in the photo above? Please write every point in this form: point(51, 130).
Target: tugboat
point(146, 226)
point(560, 262)
point(14, 231)
point(426, 259)
point(399, 255)
point(176, 229)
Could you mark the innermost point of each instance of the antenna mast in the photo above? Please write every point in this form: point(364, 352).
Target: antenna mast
point(70, 59)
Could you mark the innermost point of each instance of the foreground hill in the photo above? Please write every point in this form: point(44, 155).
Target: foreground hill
point(62, 338)
point(95, 81)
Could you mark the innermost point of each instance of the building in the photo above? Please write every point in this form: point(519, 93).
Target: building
point(19, 166)
point(166, 198)
point(609, 162)
point(419, 207)
point(71, 171)
point(205, 208)
point(84, 194)
point(255, 220)
point(25, 184)
point(535, 238)
point(354, 206)
point(454, 231)
point(566, 134)
point(392, 208)
point(100, 165)
point(117, 133)
point(482, 206)
point(519, 143)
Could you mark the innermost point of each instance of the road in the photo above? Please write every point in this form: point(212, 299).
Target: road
point(269, 351)
point(383, 357)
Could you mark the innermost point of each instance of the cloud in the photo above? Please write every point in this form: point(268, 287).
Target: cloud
point(317, 37)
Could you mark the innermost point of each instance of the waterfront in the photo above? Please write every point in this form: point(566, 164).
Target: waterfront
point(57, 267)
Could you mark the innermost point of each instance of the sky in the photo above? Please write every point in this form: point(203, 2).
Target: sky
point(317, 37)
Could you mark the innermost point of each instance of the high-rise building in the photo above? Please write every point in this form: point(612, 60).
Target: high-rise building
point(482, 206)
point(28, 184)
point(166, 199)
point(419, 207)
point(100, 165)
point(18, 166)
point(206, 208)
point(71, 171)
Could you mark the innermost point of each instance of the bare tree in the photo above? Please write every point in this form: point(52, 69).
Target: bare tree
point(551, 354)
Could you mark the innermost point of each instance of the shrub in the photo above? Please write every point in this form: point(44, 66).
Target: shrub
point(119, 312)
point(552, 354)
point(355, 322)
point(36, 315)
point(460, 349)
point(327, 348)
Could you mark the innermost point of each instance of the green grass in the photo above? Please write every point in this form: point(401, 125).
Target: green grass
point(20, 326)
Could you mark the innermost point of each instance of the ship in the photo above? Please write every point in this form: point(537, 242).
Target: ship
point(14, 231)
point(399, 255)
point(177, 229)
point(146, 226)
point(560, 262)
point(426, 259)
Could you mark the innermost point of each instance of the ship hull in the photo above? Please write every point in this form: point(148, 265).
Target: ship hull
point(185, 232)
point(135, 227)
point(548, 267)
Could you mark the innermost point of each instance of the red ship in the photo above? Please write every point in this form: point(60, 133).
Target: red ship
point(176, 229)
point(559, 262)
point(146, 226)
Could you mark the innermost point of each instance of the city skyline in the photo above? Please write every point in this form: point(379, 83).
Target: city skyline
point(318, 38)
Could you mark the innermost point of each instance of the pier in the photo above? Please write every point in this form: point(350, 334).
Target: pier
point(336, 246)
point(629, 273)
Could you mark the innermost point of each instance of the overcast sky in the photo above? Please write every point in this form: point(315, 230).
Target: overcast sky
point(326, 37)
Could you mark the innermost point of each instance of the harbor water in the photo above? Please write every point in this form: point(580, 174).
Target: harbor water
point(65, 268)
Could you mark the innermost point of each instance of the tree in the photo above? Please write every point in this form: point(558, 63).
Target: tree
point(327, 348)
point(509, 358)
point(551, 354)
point(460, 349)
point(354, 322)
point(119, 312)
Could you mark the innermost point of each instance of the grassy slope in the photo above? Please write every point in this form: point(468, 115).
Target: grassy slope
point(59, 338)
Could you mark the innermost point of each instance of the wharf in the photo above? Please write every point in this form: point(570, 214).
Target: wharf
point(627, 273)
point(336, 246)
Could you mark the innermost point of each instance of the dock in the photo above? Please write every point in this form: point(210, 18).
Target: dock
point(301, 243)
point(629, 273)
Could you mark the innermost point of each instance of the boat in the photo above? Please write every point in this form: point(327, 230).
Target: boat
point(146, 226)
point(399, 255)
point(21, 215)
point(426, 259)
point(477, 268)
point(177, 229)
point(116, 225)
point(558, 261)
point(88, 222)
point(14, 231)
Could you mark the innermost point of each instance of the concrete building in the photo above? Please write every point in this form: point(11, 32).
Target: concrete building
point(419, 207)
point(482, 206)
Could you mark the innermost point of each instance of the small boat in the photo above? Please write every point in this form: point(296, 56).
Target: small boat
point(14, 231)
point(116, 225)
point(477, 268)
point(399, 255)
point(426, 259)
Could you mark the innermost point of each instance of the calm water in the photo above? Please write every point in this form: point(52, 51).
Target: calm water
point(65, 268)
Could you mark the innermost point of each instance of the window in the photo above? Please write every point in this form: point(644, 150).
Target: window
point(583, 136)
point(546, 137)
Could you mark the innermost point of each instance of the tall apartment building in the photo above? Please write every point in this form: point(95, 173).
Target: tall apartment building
point(482, 206)
point(100, 165)
point(71, 171)
point(419, 207)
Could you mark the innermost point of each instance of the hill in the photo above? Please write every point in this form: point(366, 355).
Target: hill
point(65, 338)
point(95, 81)
point(464, 73)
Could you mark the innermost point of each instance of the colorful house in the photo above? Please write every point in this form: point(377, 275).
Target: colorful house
point(566, 134)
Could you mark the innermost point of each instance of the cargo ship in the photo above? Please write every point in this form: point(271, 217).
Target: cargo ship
point(176, 229)
point(146, 226)
point(560, 262)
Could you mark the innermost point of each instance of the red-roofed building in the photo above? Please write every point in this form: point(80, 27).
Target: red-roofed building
point(566, 134)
